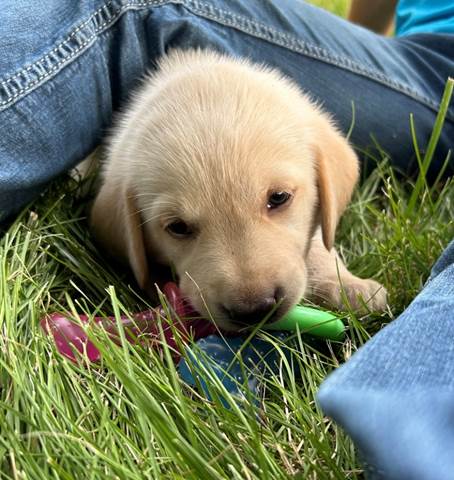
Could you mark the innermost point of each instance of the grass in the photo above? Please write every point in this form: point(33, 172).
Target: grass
point(338, 7)
point(131, 417)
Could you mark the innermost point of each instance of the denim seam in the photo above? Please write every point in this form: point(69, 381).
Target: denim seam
point(55, 50)
point(16, 87)
point(297, 45)
point(12, 88)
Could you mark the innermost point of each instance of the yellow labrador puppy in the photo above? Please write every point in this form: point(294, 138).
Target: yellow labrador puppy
point(227, 172)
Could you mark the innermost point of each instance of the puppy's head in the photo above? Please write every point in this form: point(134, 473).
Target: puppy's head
point(224, 170)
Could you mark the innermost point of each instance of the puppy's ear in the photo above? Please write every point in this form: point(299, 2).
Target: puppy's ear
point(117, 224)
point(337, 174)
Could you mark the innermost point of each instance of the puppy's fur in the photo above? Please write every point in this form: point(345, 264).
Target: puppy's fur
point(206, 142)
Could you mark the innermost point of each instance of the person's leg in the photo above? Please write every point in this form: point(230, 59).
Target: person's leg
point(395, 395)
point(66, 66)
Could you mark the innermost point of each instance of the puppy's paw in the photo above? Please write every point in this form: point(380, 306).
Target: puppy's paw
point(356, 293)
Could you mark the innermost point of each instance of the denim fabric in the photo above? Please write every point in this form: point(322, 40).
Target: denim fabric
point(395, 396)
point(66, 66)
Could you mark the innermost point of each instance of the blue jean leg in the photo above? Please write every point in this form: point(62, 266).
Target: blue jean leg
point(66, 66)
point(395, 395)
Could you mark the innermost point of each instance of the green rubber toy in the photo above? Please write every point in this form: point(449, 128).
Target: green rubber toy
point(312, 321)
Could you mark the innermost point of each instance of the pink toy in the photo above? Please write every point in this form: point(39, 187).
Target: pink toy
point(71, 338)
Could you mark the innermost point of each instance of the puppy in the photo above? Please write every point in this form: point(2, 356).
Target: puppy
point(227, 172)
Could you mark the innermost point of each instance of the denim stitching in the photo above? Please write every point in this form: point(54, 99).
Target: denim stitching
point(289, 40)
point(45, 75)
point(47, 56)
point(111, 18)
point(295, 44)
point(200, 7)
point(244, 24)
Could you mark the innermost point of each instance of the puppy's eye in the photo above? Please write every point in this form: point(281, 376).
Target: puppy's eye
point(276, 199)
point(179, 229)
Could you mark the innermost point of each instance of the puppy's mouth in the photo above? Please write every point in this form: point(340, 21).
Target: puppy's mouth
point(240, 320)
point(231, 324)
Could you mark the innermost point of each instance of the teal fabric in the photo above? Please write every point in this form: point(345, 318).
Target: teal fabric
point(424, 16)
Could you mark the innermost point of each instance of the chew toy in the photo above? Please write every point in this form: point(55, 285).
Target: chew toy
point(317, 323)
point(70, 337)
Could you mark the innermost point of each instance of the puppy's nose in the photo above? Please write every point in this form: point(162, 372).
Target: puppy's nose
point(251, 313)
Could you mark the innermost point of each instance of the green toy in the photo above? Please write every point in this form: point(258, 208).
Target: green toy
point(318, 323)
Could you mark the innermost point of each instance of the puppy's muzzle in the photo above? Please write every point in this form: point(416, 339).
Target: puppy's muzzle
point(254, 311)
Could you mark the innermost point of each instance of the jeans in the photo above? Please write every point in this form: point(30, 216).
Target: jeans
point(395, 396)
point(66, 66)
